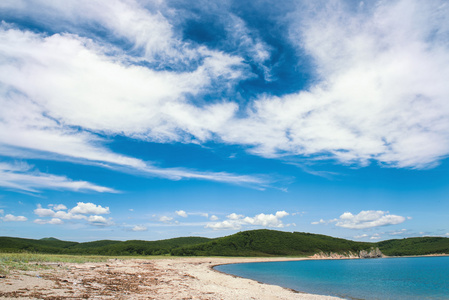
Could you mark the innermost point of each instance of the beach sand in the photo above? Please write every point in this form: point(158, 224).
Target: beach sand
point(174, 278)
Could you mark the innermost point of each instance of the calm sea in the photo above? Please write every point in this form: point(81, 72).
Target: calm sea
point(385, 278)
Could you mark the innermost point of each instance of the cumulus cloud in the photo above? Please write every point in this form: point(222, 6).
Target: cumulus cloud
point(213, 218)
point(89, 208)
point(235, 221)
point(234, 216)
point(53, 221)
point(361, 236)
point(365, 219)
point(58, 206)
point(181, 213)
point(321, 221)
point(12, 218)
point(375, 236)
point(99, 220)
point(44, 212)
point(82, 211)
point(165, 219)
point(139, 228)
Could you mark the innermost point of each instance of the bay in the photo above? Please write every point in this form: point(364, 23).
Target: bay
point(384, 278)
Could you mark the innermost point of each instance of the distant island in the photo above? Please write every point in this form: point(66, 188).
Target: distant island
point(253, 243)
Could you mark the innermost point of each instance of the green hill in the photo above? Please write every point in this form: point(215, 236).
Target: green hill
point(136, 247)
point(52, 246)
point(103, 247)
point(415, 246)
point(247, 243)
point(272, 243)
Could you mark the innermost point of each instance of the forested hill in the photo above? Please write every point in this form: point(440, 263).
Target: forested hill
point(247, 243)
point(103, 247)
point(272, 243)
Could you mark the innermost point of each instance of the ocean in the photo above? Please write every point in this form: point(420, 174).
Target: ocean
point(383, 278)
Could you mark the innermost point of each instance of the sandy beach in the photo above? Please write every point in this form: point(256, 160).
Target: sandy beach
point(174, 278)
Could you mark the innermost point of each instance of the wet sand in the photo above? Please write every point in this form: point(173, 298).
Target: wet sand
point(174, 278)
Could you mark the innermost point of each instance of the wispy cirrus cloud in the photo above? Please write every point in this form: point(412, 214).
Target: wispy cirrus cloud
point(46, 98)
point(379, 92)
point(22, 177)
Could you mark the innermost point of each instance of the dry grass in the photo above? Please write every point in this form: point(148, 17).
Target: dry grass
point(32, 261)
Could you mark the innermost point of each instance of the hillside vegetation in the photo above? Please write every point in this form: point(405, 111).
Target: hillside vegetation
point(103, 247)
point(272, 243)
point(415, 246)
point(247, 243)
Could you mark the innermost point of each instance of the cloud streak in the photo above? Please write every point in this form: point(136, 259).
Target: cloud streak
point(22, 177)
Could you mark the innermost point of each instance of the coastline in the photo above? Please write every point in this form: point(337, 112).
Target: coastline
point(166, 278)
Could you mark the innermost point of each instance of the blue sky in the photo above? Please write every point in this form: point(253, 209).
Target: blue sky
point(150, 120)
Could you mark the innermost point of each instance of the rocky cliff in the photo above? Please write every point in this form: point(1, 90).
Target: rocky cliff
point(371, 253)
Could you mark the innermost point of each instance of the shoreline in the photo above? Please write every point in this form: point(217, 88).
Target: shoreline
point(165, 278)
point(149, 278)
point(236, 287)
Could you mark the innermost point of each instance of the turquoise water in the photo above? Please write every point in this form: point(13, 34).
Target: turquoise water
point(386, 278)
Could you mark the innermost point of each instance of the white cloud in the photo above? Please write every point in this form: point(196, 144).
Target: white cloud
point(12, 218)
point(69, 216)
point(44, 212)
point(281, 214)
point(139, 228)
point(23, 178)
point(99, 220)
point(225, 225)
point(235, 216)
point(165, 219)
point(236, 221)
point(361, 236)
point(398, 232)
point(82, 211)
point(181, 213)
point(58, 206)
point(89, 208)
point(89, 89)
point(213, 218)
point(267, 220)
point(379, 94)
point(375, 236)
point(53, 221)
point(60, 214)
point(321, 221)
point(380, 91)
point(368, 219)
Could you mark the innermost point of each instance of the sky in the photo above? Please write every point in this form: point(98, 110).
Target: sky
point(136, 119)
